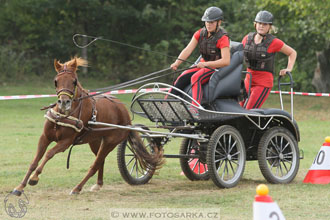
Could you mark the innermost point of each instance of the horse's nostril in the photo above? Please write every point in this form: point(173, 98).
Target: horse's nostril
point(59, 101)
point(67, 102)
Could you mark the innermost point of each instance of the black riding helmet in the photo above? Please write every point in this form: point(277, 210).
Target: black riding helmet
point(264, 17)
point(212, 14)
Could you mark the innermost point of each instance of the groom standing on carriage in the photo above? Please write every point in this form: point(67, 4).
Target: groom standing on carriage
point(260, 48)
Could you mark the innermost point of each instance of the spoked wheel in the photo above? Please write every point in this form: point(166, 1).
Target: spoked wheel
point(226, 156)
point(129, 166)
point(194, 168)
point(278, 155)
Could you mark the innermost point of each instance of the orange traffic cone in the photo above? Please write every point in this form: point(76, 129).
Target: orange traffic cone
point(196, 166)
point(264, 207)
point(194, 163)
point(319, 173)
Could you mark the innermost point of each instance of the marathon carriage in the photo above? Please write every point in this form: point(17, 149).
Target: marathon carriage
point(221, 138)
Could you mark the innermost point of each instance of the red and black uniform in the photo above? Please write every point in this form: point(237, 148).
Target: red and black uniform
point(210, 49)
point(259, 59)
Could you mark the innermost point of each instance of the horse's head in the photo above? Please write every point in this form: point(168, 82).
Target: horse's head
point(66, 83)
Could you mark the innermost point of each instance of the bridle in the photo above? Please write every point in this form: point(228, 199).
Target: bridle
point(70, 93)
point(67, 92)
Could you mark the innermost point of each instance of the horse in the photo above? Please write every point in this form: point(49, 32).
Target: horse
point(67, 124)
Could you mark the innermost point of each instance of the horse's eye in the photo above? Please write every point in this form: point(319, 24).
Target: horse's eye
point(75, 82)
point(55, 82)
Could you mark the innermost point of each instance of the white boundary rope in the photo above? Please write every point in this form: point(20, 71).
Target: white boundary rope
point(130, 91)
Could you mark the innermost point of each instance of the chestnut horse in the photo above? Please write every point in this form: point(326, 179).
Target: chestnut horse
point(67, 124)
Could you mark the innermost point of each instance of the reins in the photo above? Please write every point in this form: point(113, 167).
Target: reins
point(129, 83)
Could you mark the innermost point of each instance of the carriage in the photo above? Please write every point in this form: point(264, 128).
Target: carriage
point(216, 143)
point(221, 138)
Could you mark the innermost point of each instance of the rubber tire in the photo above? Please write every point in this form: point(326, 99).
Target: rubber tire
point(264, 164)
point(212, 164)
point(125, 173)
point(185, 166)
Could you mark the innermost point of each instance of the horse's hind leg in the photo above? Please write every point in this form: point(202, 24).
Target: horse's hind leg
point(95, 146)
point(42, 146)
point(104, 150)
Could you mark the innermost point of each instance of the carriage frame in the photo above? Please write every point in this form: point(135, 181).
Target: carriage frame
point(215, 144)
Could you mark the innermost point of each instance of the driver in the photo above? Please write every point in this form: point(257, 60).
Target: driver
point(260, 48)
point(213, 44)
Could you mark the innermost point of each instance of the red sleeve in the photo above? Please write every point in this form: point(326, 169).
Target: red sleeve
point(223, 42)
point(244, 40)
point(275, 46)
point(197, 34)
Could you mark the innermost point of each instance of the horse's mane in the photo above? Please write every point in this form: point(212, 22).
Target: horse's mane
point(80, 62)
point(82, 88)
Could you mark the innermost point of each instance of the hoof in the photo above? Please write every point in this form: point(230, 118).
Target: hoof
point(74, 193)
point(16, 192)
point(96, 188)
point(33, 182)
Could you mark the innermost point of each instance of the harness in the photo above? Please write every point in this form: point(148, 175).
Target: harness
point(75, 123)
point(208, 45)
point(64, 120)
point(256, 56)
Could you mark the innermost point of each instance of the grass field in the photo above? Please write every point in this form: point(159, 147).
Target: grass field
point(21, 123)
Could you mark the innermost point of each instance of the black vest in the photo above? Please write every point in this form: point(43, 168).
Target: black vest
point(208, 46)
point(256, 56)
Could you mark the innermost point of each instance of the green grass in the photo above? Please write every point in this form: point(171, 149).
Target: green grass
point(21, 123)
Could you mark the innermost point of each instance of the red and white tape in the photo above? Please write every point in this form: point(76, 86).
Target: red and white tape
point(24, 97)
point(130, 91)
point(302, 93)
point(116, 92)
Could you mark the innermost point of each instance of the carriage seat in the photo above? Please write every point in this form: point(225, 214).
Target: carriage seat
point(225, 81)
point(232, 106)
point(271, 111)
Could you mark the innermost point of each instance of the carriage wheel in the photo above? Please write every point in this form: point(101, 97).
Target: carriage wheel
point(278, 155)
point(226, 156)
point(129, 166)
point(193, 168)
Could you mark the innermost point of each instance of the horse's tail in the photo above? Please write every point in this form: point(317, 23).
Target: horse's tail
point(148, 160)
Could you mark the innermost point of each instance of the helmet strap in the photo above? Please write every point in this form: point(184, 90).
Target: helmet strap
point(216, 29)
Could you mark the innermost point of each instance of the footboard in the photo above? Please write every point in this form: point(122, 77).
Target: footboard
point(163, 110)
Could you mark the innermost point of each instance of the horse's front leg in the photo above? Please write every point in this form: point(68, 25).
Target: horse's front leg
point(61, 146)
point(42, 146)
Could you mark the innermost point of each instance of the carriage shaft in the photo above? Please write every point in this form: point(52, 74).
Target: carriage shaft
point(148, 132)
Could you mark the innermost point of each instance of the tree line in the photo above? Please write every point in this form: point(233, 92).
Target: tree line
point(35, 32)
